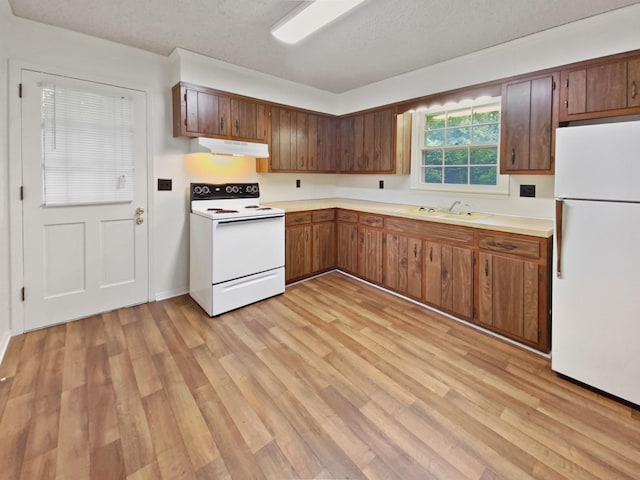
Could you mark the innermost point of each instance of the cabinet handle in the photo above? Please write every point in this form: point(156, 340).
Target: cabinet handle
point(633, 89)
point(486, 268)
point(415, 251)
point(431, 254)
point(237, 126)
point(513, 156)
point(221, 124)
point(566, 104)
point(505, 246)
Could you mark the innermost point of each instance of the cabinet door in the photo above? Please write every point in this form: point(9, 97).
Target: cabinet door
point(383, 135)
point(403, 264)
point(527, 114)
point(449, 278)
point(347, 246)
point(324, 145)
point(633, 83)
point(376, 137)
point(298, 251)
point(606, 86)
point(516, 114)
point(370, 254)
point(508, 296)
point(324, 246)
point(247, 120)
point(346, 144)
point(282, 154)
point(205, 113)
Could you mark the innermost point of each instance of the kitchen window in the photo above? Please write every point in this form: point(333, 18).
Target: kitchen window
point(456, 148)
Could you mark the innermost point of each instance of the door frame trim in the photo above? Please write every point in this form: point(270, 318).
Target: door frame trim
point(15, 161)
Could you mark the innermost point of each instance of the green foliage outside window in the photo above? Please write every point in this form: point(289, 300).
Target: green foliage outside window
point(461, 146)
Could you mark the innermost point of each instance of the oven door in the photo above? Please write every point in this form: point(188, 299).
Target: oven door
point(246, 246)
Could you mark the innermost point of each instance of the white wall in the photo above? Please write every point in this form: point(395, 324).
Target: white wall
point(63, 50)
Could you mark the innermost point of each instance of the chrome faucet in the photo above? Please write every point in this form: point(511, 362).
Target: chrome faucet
point(453, 205)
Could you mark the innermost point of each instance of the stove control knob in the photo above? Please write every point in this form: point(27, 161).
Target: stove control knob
point(228, 189)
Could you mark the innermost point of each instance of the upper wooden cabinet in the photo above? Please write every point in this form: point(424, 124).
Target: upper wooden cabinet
point(300, 142)
point(528, 123)
point(601, 88)
point(203, 112)
point(366, 142)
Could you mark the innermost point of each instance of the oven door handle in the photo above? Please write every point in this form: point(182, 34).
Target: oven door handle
point(255, 219)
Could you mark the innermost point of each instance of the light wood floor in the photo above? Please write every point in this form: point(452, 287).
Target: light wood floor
point(333, 379)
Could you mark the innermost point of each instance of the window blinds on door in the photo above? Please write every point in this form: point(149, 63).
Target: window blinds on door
point(87, 146)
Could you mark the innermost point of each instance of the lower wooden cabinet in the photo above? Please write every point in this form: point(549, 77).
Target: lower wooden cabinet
point(448, 278)
point(310, 243)
point(370, 254)
point(514, 287)
point(323, 241)
point(347, 245)
point(298, 252)
point(402, 270)
point(508, 298)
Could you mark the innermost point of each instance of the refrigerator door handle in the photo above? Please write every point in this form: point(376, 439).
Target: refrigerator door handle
point(559, 215)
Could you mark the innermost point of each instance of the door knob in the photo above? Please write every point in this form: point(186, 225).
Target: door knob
point(139, 220)
point(139, 211)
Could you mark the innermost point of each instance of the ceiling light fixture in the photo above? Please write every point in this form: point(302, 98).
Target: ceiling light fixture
point(309, 17)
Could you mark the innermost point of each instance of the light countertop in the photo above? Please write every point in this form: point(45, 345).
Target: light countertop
point(536, 227)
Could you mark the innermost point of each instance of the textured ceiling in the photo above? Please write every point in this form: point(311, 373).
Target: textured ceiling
point(375, 41)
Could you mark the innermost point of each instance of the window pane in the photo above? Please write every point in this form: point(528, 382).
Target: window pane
point(459, 136)
point(432, 157)
point(488, 114)
point(435, 121)
point(459, 118)
point(456, 157)
point(432, 175)
point(484, 175)
point(434, 139)
point(457, 175)
point(483, 156)
point(486, 133)
point(87, 146)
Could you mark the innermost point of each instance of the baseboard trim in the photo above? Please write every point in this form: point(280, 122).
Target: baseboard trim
point(4, 343)
point(171, 293)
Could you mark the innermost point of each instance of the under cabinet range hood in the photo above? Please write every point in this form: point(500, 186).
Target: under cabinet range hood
point(220, 146)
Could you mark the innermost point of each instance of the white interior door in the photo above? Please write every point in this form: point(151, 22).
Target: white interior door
point(86, 257)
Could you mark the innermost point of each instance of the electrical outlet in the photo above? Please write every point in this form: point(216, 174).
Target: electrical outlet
point(527, 190)
point(297, 183)
point(381, 184)
point(164, 184)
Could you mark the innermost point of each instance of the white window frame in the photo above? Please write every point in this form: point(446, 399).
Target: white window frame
point(417, 146)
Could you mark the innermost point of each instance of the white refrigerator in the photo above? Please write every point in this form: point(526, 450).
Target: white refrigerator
point(596, 287)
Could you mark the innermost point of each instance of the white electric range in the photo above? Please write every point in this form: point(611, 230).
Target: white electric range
point(237, 247)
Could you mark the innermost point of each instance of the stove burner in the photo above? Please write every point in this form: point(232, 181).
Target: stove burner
point(257, 207)
point(221, 210)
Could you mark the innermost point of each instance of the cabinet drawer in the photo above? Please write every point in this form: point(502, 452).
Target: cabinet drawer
point(508, 244)
point(297, 218)
point(430, 230)
point(370, 220)
point(323, 215)
point(347, 216)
